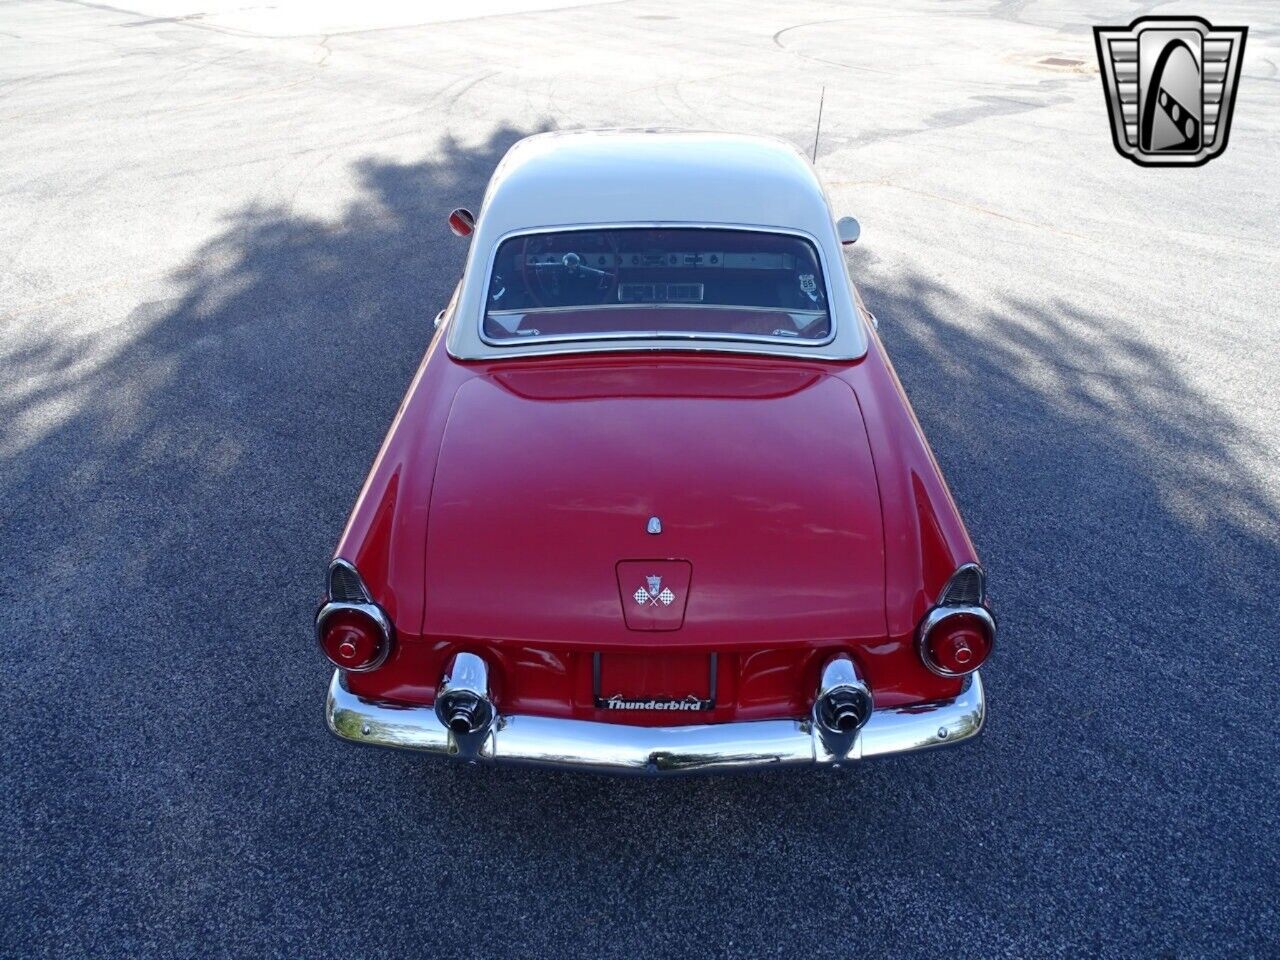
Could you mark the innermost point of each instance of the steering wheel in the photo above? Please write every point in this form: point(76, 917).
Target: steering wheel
point(570, 274)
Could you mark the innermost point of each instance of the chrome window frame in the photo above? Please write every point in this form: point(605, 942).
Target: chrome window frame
point(657, 338)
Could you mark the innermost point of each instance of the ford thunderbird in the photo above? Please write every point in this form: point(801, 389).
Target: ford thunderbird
point(655, 501)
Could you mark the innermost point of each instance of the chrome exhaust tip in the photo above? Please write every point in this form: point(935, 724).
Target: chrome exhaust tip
point(843, 705)
point(466, 713)
point(463, 704)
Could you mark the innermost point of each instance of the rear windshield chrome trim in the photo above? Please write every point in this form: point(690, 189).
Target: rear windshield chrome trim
point(660, 336)
point(802, 348)
point(587, 308)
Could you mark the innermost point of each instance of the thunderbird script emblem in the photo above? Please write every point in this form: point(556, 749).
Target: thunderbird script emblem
point(653, 593)
point(1170, 84)
point(619, 702)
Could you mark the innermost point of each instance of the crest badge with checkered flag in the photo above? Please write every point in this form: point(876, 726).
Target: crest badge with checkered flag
point(655, 594)
point(1170, 84)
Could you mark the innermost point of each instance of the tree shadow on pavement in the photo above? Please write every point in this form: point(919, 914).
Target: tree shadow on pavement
point(171, 497)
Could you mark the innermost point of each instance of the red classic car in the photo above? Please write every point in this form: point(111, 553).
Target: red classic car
point(655, 501)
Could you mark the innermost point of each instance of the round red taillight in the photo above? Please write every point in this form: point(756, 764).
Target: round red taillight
point(353, 639)
point(957, 642)
point(462, 222)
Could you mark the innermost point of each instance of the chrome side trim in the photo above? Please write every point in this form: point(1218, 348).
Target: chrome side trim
point(616, 748)
point(938, 615)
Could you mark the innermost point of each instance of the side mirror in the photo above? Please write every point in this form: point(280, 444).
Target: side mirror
point(462, 222)
point(848, 229)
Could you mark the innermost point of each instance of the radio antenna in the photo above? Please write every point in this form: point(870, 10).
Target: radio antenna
point(818, 132)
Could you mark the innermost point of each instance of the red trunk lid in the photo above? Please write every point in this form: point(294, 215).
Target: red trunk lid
point(760, 474)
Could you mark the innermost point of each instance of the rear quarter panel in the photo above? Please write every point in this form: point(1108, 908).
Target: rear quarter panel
point(925, 538)
point(386, 531)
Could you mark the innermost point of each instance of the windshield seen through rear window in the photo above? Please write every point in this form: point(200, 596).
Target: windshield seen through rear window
point(635, 282)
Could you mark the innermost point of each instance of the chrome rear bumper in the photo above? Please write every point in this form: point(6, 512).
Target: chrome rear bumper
point(620, 748)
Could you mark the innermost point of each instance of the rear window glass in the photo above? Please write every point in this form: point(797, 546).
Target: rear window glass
point(657, 282)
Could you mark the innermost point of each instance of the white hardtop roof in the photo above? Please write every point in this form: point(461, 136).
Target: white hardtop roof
point(620, 176)
point(676, 178)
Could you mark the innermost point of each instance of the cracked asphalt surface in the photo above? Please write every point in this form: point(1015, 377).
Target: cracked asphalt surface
point(222, 242)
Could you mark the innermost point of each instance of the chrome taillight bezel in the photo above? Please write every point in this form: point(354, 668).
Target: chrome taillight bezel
point(940, 615)
point(954, 601)
point(346, 581)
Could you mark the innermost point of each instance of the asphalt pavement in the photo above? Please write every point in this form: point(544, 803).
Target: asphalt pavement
point(222, 243)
